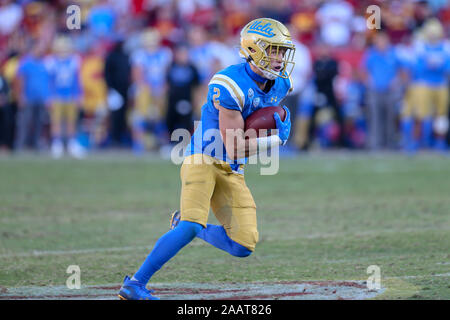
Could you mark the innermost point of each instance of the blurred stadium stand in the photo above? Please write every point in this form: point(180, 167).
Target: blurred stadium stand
point(138, 69)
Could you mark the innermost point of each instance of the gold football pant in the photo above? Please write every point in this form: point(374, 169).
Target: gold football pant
point(424, 101)
point(63, 112)
point(210, 183)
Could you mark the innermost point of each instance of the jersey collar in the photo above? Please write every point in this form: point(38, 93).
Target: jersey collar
point(256, 77)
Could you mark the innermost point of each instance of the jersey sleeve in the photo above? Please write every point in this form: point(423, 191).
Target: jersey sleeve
point(226, 92)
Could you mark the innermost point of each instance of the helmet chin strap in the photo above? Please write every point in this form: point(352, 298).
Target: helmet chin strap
point(266, 74)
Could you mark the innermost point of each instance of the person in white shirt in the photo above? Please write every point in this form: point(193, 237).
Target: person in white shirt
point(335, 18)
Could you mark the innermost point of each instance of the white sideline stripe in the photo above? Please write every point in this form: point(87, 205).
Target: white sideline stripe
point(36, 253)
point(369, 233)
point(419, 276)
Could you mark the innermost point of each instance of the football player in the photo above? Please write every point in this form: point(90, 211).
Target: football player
point(426, 100)
point(149, 62)
point(433, 63)
point(214, 178)
point(64, 68)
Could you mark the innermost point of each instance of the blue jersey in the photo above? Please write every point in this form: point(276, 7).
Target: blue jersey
point(36, 79)
point(407, 56)
point(65, 77)
point(433, 64)
point(232, 88)
point(154, 66)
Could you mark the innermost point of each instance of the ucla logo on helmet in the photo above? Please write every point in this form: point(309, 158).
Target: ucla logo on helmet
point(261, 29)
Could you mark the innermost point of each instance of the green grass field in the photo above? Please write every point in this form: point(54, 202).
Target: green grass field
point(322, 217)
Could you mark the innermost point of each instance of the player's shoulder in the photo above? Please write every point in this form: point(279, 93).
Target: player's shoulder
point(232, 74)
point(231, 80)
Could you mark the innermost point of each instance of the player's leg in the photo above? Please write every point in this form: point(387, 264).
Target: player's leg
point(70, 116)
point(234, 207)
point(425, 116)
point(167, 247)
point(196, 191)
point(407, 121)
point(217, 236)
point(138, 125)
point(441, 97)
point(57, 147)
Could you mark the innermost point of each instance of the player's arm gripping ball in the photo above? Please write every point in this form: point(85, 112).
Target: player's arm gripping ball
point(284, 127)
point(231, 126)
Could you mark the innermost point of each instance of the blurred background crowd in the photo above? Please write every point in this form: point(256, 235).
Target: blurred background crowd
point(136, 70)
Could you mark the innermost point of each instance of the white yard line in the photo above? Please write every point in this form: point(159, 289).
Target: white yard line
point(224, 289)
point(36, 253)
point(419, 276)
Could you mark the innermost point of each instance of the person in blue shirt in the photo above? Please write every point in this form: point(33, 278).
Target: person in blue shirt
point(212, 171)
point(33, 81)
point(381, 67)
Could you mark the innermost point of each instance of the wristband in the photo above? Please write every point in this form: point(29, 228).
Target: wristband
point(269, 142)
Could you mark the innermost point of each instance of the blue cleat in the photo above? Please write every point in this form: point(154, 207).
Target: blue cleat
point(133, 290)
point(175, 220)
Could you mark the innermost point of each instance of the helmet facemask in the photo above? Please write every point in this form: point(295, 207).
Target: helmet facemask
point(266, 43)
point(271, 55)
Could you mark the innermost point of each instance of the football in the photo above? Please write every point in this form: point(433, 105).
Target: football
point(263, 119)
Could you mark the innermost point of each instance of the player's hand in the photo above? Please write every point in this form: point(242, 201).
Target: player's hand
point(284, 127)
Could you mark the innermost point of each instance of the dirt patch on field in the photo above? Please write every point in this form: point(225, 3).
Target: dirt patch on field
point(291, 290)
